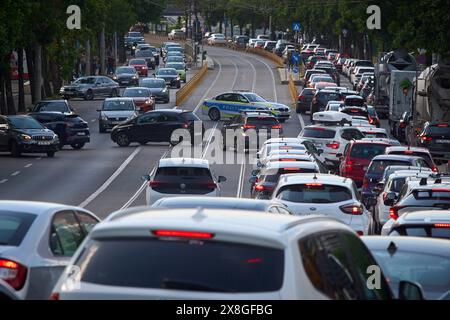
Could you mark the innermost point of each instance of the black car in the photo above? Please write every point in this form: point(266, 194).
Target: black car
point(23, 134)
point(157, 126)
point(169, 75)
point(321, 98)
point(304, 100)
point(158, 88)
point(436, 138)
point(71, 129)
point(355, 111)
point(126, 76)
point(148, 56)
point(249, 128)
point(52, 106)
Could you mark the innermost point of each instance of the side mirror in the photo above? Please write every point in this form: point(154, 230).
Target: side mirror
point(146, 177)
point(221, 179)
point(252, 180)
point(255, 172)
point(410, 291)
point(390, 199)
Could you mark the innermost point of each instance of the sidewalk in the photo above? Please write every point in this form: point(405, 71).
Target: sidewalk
point(284, 76)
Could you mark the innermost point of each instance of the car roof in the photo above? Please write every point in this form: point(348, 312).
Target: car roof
point(215, 202)
point(183, 162)
point(409, 173)
point(313, 177)
point(413, 244)
point(119, 99)
point(405, 148)
point(290, 164)
point(33, 207)
point(424, 217)
point(394, 157)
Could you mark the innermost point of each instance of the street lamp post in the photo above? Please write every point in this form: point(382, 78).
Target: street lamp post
point(344, 33)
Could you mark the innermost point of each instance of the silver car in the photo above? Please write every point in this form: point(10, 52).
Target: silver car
point(90, 87)
point(37, 240)
point(115, 111)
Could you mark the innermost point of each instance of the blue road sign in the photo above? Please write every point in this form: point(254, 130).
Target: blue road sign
point(295, 69)
point(296, 26)
point(296, 57)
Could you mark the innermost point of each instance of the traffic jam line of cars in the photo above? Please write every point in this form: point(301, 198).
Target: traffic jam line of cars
point(307, 233)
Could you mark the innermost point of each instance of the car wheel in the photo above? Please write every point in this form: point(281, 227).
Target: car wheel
point(214, 114)
point(77, 146)
point(51, 154)
point(178, 85)
point(15, 149)
point(89, 95)
point(123, 140)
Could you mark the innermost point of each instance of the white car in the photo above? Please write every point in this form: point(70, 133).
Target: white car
point(37, 240)
point(374, 133)
point(357, 74)
point(217, 39)
point(263, 37)
point(215, 254)
point(266, 149)
point(180, 177)
point(325, 194)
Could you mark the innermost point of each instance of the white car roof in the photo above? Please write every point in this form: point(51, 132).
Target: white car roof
point(183, 162)
point(281, 140)
point(409, 173)
point(33, 207)
point(300, 156)
point(331, 116)
point(373, 129)
point(303, 178)
point(291, 164)
point(425, 216)
point(406, 148)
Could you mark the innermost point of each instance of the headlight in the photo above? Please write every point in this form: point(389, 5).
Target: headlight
point(26, 137)
point(178, 78)
point(55, 137)
point(135, 77)
point(104, 118)
point(114, 77)
point(164, 90)
point(134, 47)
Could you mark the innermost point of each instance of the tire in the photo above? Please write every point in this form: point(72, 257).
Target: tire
point(77, 146)
point(123, 140)
point(178, 85)
point(214, 114)
point(15, 149)
point(51, 154)
point(89, 95)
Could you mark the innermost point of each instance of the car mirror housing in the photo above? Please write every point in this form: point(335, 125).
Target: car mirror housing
point(390, 199)
point(221, 179)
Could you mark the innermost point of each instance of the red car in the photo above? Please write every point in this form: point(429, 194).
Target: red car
point(140, 65)
point(142, 98)
point(357, 157)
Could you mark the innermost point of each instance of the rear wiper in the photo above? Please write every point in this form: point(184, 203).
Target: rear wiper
point(187, 285)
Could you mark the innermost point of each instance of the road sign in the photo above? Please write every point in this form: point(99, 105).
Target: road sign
point(295, 69)
point(295, 57)
point(296, 26)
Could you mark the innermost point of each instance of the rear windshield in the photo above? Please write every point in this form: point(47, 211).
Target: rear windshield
point(422, 155)
point(52, 106)
point(438, 130)
point(330, 96)
point(272, 175)
point(308, 92)
point(191, 265)
point(423, 231)
point(320, 193)
point(14, 226)
point(318, 133)
point(183, 173)
point(261, 121)
point(378, 167)
point(367, 151)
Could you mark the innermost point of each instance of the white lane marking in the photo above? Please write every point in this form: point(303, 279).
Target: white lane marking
point(241, 180)
point(38, 158)
point(93, 120)
point(302, 123)
point(235, 75)
point(3, 181)
point(210, 87)
point(110, 179)
point(275, 96)
point(28, 165)
point(208, 142)
point(15, 173)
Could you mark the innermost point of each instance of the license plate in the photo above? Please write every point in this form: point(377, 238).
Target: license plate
point(125, 81)
point(81, 133)
point(44, 143)
point(443, 141)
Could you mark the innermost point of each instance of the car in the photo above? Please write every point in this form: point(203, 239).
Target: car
point(426, 223)
point(23, 134)
point(231, 242)
point(177, 54)
point(177, 34)
point(115, 111)
point(249, 130)
point(312, 60)
point(259, 44)
point(90, 87)
point(217, 39)
point(143, 46)
point(126, 76)
point(279, 48)
point(140, 65)
point(330, 70)
point(314, 79)
point(134, 34)
point(364, 78)
point(269, 45)
point(414, 259)
point(320, 100)
point(228, 203)
point(61, 106)
point(251, 42)
point(360, 63)
point(333, 105)
point(142, 97)
point(37, 240)
point(414, 151)
point(374, 133)
point(229, 104)
point(173, 58)
point(148, 56)
point(339, 63)
point(172, 50)
point(322, 85)
point(181, 177)
point(357, 75)
point(156, 126)
point(309, 73)
point(165, 45)
point(158, 88)
point(356, 112)
point(71, 129)
point(170, 75)
point(375, 171)
point(155, 53)
point(180, 67)
point(354, 101)
point(264, 183)
point(7, 292)
point(263, 37)
point(304, 100)
point(356, 158)
point(324, 194)
point(436, 138)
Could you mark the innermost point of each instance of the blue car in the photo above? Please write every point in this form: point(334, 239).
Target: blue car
point(376, 170)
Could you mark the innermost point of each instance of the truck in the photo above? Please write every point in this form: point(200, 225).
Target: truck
point(429, 123)
point(401, 90)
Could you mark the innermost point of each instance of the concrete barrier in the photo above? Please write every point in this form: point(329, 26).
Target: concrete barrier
point(186, 90)
point(269, 55)
point(292, 90)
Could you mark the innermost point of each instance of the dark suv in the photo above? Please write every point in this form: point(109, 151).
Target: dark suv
point(304, 100)
point(321, 98)
point(436, 138)
point(71, 129)
point(23, 134)
point(52, 106)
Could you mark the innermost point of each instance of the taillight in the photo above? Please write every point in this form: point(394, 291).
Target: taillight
point(260, 187)
point(155, 184)
point(183, 234)
point(301, 97)
point(435, 169)
point(442, 225)
point(393, 213)
point(277, 126)
point(371, 121)
point(426, 138)
point(185, 125)
point(54, 296)
point(247, 126)
point(334, 145)
point(360, 233)
point(365, 183)
point(13, 273)
point(353, 209)
point(209, 185)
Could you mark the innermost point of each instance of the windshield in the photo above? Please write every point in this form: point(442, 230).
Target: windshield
point(137, 62)
point(125, 70)
point(177, 66)
point(318, 133)
point(377, 167)
point(131, 92)
point(90, 80)
point(175, 59)
point(367, 151)
point(24, 122)
point(429, 231)
point(314, 193)
point(252, 97)
point(14, 226)
point(151, 83)
point(118, 105)
point(52, 106)
point(167, 72)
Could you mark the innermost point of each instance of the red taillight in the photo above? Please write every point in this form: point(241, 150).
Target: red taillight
point(365, 183)
point(13, 273)
point(334, 145)
point(183, 234)
point(393, 213)
point(360, 233)
point(277, 126)
point(442, 125)
point(352, 209)
point(54, 296)
point(247, 126)
point(402, 125)
point(185, 125)
point(435, 169)
point(371, 121)
point(209, 185)
point(301, 97)
point(154, 184)
point(314, 184)
point(442, 225)
point(260, 187)
point(426, 138)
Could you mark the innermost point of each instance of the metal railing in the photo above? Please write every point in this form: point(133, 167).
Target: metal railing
point(184, 92)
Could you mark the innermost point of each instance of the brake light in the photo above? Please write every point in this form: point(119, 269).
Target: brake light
point(247, 126)
point(183, 234)
point(371, 121)
point(291, 169)
point(286, 160)
point(209, 185)
point(360, 233)
point(314, 184)
point(365, 183)
point(153, 184)
point(426, 138)
point(442, 125)
point(285, 148)
point(277, 126)
point(435, 169)
point(393, 213)
point(408, 152)
point(352, 209)
point(442, 225)
point(301, 97)
point(259, 188)
point(54, 296)
point(334, 145)
point(13, 273)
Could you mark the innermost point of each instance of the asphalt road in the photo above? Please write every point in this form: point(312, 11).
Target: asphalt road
point(103, 177)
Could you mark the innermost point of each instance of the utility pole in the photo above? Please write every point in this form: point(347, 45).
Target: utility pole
point(270, 27)
point(102, 51)
point(88, 57)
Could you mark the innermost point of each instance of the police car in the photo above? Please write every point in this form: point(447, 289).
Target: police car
point(231, 103)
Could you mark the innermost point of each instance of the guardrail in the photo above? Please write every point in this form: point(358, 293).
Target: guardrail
point(292, 90)
point(269, 55)
point(184, 92)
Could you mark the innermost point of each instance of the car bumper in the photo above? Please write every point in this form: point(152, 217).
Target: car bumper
point(72, 94)
point(78, 139)
point(35, 148)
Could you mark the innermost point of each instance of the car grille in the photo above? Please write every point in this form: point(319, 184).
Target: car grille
point(117, 118)
point(42, 138)
point(283, 109)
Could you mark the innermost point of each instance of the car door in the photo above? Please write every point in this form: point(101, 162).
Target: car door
point(108, 86)
point(146, 128)
point(241, 101)
point(87, 221)
point(166, 124)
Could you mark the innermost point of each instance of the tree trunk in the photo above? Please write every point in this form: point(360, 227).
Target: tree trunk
point(232, 28)
point(9, 94)
point(48, 92)
point(241, 27)
point(37, 71)
point(102, 52)
point(21, 102)
point(88, 58)
point(122, 53)
point(30, 65)
point(3, 109)
point(221, 26)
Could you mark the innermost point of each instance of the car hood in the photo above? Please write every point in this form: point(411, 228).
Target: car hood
point(125, 75)
point(156, 90)
point(118, 114)
point(273, 105)
point(44, 132)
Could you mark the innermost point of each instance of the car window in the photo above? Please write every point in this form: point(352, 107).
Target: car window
point(167, 118)
point(14, 226)
point(87, 222)
point(378, 166)
point(225, 97)
point(314, 193)
point(351, 134)
point(66, 234)
point(367, 151)
point(149, 118)
point(239, 98)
